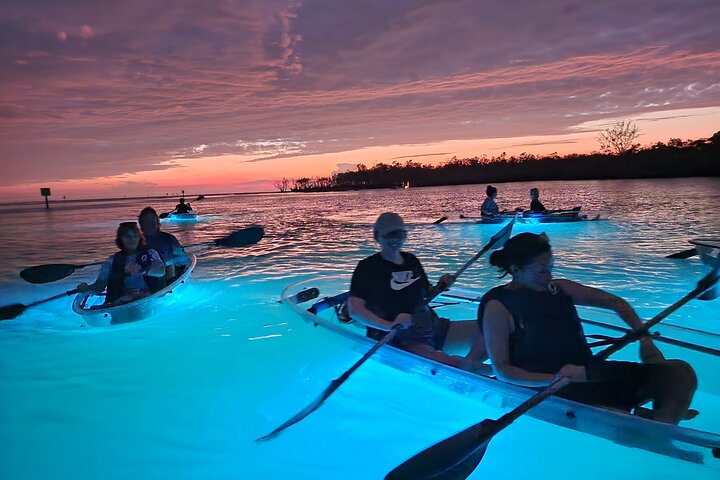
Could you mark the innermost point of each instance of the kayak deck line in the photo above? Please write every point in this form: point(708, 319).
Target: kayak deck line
point(87, 305)
point(468, 297)
point(695, 446)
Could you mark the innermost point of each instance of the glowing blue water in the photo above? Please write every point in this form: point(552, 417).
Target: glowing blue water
point(184, 394)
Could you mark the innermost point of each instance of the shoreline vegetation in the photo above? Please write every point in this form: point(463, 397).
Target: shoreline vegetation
point(675, 159)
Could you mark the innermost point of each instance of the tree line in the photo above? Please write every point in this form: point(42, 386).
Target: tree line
point(676, 158)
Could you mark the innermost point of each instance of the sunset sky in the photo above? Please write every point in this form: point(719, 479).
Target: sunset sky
point(145, 97)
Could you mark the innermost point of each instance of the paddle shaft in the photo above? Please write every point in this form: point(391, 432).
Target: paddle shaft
point(642, 331)
point(54, 297)
point(495, 238)
point(387, 338)
point(659, 338)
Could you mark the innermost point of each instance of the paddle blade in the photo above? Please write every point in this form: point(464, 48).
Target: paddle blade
point(440, 220)
point(690, 252)
point(454, 458)
point(164, 215)
point(8, 312)
point(502, 236)
point(47, 273)
point(242, 238)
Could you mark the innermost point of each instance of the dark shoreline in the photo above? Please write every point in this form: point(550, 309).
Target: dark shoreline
point(676, 159)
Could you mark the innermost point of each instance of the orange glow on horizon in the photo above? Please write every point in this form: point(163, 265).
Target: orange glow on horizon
point(237, 173)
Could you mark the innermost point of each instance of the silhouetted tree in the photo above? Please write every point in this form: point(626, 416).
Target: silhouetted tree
point(283, 185)
point(618, 138)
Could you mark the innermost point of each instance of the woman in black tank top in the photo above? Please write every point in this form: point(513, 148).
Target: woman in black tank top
point(533, 335)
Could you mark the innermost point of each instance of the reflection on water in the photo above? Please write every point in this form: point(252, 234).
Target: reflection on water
point(183, 395)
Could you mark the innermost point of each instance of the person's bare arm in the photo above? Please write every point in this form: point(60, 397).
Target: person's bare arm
point(359, 311)
point(496, 327)
point(595, 297)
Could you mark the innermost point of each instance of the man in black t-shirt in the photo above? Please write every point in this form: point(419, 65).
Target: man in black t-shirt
point(390, 288)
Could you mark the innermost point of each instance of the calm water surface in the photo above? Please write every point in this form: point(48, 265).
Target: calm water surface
point(183, 395)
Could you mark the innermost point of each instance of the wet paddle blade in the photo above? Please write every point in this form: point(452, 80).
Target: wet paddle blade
point(690, 252)
point(47, 273)
point(452, 459)
point(440, 220)
point(164, 215)
point(242, 238)
point(8, 312)
point(498, 240)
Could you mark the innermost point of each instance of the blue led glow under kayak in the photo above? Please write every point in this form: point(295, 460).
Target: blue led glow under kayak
point(89, 306)
point(676, 441)
point(182, 217)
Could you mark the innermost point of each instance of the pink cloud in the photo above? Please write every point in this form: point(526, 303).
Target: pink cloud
point(62, 36)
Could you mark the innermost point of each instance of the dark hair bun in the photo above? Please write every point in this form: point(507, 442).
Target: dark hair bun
point(498, 259)
point(519, 251)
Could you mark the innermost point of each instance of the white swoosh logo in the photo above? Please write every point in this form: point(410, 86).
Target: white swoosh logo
point(395, 285)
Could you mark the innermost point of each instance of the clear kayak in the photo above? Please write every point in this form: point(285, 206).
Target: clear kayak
point(183, 217)
point(688, 444)
point(559, 216)
point(707, 246)
point(90, 306)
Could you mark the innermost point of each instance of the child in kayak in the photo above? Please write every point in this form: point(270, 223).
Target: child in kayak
point(169, 248)
point(134, 272)
point(390, 288)
point(533, 335)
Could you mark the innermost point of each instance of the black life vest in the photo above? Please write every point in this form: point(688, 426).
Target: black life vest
point(116, 280)
point(548, 333)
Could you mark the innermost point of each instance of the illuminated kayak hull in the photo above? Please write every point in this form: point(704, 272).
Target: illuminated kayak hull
point(562, 216)
point(684, 443)
point(89, 306)
point(183, 217)
point(707, 246)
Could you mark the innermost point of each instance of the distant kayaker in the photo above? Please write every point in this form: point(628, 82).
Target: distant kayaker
point(533, 335)
point(489, 208)
point(391, 288)
point(536, 205)
point(183, 207)
point(169, 248)
point(134, 272)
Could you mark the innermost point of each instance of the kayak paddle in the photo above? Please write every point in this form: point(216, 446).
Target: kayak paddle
point(440, 220)
point(458, 456)
point(51, 272)
point(682, 255)
point(497, 241)
point(57, 271)
point(8, 312)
